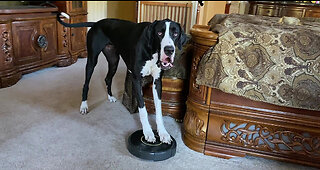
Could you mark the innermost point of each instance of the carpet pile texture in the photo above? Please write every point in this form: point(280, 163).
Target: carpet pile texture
point(41, 128)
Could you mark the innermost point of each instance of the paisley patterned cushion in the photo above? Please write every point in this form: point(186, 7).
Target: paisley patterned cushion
point(261, 59)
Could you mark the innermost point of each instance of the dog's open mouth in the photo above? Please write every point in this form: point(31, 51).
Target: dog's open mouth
point(166, 64)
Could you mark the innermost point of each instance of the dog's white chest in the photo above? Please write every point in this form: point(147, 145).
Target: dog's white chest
point(151, 68)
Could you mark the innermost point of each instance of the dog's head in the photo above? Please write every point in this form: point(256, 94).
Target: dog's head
point(165, 36)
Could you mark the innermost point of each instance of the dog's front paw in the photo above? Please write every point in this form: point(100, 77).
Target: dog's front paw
point(164, 136)
point(149, 136)
point(112, 99)
point(84, 108)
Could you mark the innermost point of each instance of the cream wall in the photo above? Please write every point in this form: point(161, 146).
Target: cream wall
point(210, 9)
point(122, 10)
point(96, 10)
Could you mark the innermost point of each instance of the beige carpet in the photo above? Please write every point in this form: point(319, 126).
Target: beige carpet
point(41, 128)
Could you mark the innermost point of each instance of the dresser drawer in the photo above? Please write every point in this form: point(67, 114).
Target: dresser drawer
point(313, 13)
point(292, 12)
point(267, 10)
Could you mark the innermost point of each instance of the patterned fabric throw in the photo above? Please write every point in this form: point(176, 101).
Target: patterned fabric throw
point(264, 59)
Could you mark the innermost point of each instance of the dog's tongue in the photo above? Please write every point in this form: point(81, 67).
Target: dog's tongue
point(168, 60)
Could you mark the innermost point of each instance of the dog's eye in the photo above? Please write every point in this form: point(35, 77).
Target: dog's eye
point(175, 34)
point(159, 33)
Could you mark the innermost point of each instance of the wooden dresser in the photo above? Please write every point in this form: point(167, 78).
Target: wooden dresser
point(76, 36)
point(284, 8)
point(28, 41)
point(32, 39)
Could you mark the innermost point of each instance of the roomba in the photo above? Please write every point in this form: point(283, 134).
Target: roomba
point(143, 149)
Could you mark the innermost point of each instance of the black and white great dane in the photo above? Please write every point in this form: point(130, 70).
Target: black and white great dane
point(146, 48)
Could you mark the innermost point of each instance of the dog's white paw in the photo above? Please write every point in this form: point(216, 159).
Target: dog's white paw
point(164, 136)
point(149, 136)
point(112, 99)
point(84, 108)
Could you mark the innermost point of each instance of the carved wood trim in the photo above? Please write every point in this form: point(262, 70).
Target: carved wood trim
point(65, 37)
point(193, 124)
point(6, 47)
point(198, 92)
point(280, 140)
point(195, 120)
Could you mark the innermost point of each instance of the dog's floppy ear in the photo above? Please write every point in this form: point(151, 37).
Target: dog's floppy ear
point(150, 34)
point(182, 39)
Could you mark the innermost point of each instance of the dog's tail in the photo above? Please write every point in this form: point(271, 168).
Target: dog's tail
point(82, 24)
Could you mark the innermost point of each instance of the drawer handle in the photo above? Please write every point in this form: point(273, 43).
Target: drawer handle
point(42, 41)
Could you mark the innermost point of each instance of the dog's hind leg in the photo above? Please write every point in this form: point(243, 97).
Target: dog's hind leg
point(113, 60)
point(91, 63)
point(95, 44)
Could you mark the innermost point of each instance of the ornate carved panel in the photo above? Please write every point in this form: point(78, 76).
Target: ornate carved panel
point(273, 139)
point(193, 124)
point(6, 47)
point(65, 37)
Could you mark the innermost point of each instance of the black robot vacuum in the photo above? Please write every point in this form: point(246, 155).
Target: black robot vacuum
point(143, 149)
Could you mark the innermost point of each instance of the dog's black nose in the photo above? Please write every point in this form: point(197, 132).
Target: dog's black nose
point(168, 50)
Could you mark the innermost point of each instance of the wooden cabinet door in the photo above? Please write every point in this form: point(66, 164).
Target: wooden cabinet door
point(26, 49)
point(78, 35)
point(49, 31)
